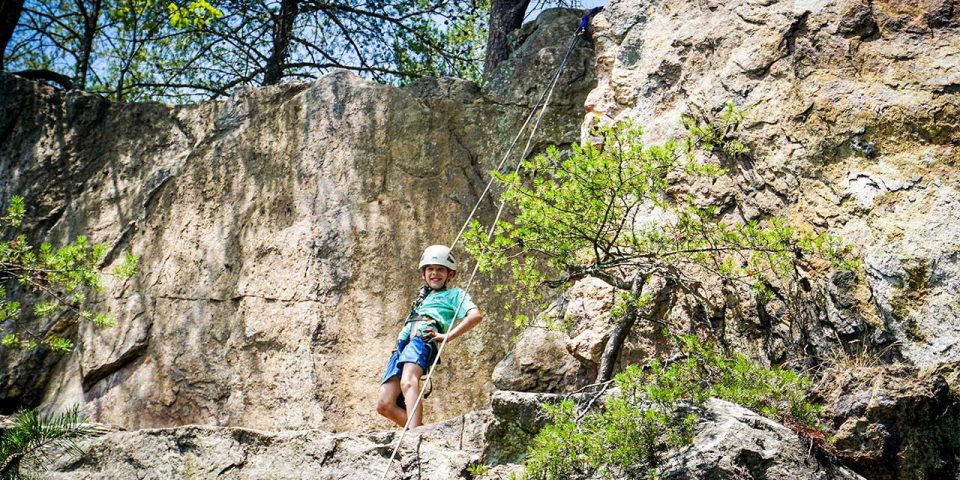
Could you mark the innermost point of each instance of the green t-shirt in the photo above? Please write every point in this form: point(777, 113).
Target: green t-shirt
point(440, 306)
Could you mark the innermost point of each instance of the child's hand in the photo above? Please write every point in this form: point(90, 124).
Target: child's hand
point(435, 337)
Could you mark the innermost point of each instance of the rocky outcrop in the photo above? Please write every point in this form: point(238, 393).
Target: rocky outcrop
point(732, 442)
point(853, 126)
point(852, 123)
point(894, 422)
point(561, 351)
point(729, 442)
point(277, 231)
point(516, 419)
point(539, 362)
point(441, 451)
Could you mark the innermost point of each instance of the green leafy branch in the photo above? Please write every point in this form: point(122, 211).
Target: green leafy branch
point(61, 278)
point(718, 137)
point(611, 210)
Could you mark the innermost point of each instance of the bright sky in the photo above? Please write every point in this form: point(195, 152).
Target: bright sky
point(533, 10)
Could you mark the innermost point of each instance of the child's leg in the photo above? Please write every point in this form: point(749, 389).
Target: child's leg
point(387, 402)
point(410, 385)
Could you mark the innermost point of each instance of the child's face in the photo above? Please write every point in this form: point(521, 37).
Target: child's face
point(436, 276)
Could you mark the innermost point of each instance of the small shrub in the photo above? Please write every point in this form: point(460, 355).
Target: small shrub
point(477, 469)
point(628, 435)
point(776, 393)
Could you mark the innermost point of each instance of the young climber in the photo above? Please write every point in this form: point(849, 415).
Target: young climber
point(425, 329)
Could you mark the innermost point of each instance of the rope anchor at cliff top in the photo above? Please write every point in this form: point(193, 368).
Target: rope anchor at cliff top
point(541, 105)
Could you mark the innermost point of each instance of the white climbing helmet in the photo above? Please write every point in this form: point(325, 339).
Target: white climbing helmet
point(438, 255)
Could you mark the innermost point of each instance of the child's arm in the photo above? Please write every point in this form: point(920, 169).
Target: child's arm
point(474, 316)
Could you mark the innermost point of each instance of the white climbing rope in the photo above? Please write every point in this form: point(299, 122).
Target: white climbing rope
point(545, 98)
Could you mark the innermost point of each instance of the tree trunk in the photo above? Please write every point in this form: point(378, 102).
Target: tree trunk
point(658, 308)
point(505, 17)
point(282, 31)
point(611, 352)
point(10, 11)
point(91, 19)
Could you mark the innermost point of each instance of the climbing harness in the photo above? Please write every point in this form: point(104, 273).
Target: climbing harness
point(541, 104)
point(421, 296)
point(414, 317)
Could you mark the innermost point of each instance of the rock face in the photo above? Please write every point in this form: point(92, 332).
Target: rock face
point(895, 423)
point(278, 232)
point(732, 442)
point(561, 351)
point(853, 127)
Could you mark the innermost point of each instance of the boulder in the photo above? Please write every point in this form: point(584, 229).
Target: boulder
point(540, 362)
point(560, 351)
point(731, 442)
point(587, 313)
point(517, 417)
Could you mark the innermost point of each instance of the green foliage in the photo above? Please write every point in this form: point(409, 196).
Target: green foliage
point(776, 393)
point(612, 210)
point(15, 212)
point(44, 308)
point(25, 445)
point(650, 414)
point(8, 309)
point(198, 13)
point(716, 137)
point(59, 345)
point(621, 441)
point(476, 469)
point(129, 267)
point(60, 278)
point(189, 50)
point(10, 340)
point(99, 319)
point(463, 36)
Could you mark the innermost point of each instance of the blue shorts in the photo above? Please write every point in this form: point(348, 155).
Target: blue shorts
point(415, 350)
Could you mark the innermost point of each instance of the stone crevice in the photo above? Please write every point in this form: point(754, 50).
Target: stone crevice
point(127, 357)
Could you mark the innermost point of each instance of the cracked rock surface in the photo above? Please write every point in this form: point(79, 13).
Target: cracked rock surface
point(278, 232)
point(895, 423)
point(853, 124)
point(732, 442)
point(439, 451)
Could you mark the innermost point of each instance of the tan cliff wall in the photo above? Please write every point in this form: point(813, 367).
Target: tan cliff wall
point(853, 122)
point(854, 128)
point(278, 233)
